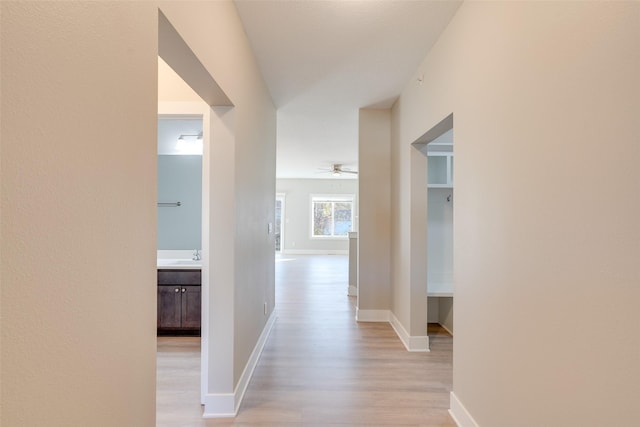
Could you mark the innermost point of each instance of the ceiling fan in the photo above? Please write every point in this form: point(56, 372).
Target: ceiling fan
point(337, 170)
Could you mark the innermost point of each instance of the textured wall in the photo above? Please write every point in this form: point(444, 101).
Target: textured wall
point(78, 213)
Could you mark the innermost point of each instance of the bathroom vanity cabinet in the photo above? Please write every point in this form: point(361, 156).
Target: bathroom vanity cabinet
point(179, 302)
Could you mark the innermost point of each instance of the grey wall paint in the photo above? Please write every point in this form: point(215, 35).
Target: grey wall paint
point(180, 179)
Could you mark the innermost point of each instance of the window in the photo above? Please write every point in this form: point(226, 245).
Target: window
point(331, 216)
point(279, 231)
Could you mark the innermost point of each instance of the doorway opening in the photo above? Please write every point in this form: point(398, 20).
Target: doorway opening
point(182, 234)
point(179, 221)
point(193, 91)
point(437, 145)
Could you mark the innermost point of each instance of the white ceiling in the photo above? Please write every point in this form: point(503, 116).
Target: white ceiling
point(324, 60)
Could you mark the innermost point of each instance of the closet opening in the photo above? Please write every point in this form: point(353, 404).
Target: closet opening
point(438, 146)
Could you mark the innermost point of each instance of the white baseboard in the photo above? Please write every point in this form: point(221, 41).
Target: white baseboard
point(353, 291)
point(418, 343)
point(372, 315)
point(219, 405)
point(445, 328)
point(227, 405)
point(459, 413)
point(243, 383)
point(315, 252)
point(412, 343)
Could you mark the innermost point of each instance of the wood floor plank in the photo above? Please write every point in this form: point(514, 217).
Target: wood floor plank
point(319, 366)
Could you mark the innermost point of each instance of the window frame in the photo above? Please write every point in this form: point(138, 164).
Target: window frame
point(282, 197)
point(333, 198)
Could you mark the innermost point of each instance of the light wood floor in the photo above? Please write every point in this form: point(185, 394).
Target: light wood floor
point(319, 366)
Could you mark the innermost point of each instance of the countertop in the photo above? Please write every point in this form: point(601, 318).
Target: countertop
point(178, 264)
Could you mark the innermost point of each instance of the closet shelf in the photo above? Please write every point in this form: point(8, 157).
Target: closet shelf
point(440, 289)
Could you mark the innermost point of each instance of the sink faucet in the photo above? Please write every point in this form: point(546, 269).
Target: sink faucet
point(196, 255)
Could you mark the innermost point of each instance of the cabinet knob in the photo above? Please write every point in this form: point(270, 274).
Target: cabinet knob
point(184, 290)
point(177, 290)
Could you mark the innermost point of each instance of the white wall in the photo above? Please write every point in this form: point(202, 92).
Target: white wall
point(297, 215)
point(546, 99)
point(79, 201)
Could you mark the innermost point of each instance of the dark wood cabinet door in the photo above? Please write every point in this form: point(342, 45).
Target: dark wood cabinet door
point(169, 306)
point(191, 307)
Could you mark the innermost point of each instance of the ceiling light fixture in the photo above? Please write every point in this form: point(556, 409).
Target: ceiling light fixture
point(189, 143)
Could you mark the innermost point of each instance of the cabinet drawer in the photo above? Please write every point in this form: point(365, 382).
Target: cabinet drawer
point(179, 277)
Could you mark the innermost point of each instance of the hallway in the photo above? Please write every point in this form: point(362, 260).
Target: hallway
point(319, 366)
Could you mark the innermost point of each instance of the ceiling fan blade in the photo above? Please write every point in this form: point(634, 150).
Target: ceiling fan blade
point(335, 170)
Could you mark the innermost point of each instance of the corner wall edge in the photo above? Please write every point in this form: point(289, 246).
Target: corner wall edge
point(416, 343)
